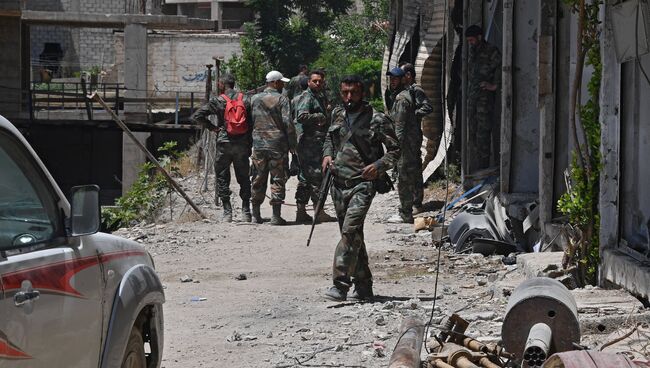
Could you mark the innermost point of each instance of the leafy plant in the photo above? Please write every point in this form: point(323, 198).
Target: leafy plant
point(251, 66)
point(355, 45)
point(580, 203)
point(146, 195)
point(289, 32)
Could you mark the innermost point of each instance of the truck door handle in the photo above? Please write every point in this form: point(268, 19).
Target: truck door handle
point(23, 297)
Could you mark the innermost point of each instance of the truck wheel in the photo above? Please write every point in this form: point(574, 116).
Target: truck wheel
point(134, 354)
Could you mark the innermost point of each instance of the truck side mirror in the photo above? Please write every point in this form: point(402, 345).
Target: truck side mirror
point(85, 211)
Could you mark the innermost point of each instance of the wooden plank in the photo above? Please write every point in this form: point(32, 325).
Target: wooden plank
point(506, 96)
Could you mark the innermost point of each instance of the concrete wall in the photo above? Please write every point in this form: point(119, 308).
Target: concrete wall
point(525, 121)
point(177, 60)
point(10, 66)
point(85, 47)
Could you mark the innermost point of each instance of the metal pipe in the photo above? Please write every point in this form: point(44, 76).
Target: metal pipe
point(176, 110)
point(461, 359)
point(409, 345)
point(475, 345)
point(537, 344)
point(464, 161)
point(439, 363)
point(151, 157)
point(487, 363)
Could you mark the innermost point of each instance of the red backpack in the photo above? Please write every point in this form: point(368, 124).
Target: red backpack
point(235, 115)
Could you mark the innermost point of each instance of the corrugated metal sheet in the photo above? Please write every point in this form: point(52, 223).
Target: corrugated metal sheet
point(428, 63)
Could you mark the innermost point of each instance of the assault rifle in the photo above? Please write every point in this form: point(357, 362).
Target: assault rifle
point(322, 197)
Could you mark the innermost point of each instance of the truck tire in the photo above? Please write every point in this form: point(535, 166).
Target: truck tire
point(134, 353)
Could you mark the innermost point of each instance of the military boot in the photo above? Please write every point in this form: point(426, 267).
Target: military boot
point(227, 210)
point(301, 214)
point(277, 218)
point(362, 292)
point(336, 294)
point(257, 217)
point(246, 211)
point(324, 217)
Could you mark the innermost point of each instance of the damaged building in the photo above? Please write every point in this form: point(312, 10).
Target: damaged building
point(130, 51)
point(532, 144)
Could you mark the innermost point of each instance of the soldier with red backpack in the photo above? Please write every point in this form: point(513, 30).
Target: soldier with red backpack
point(234, 142)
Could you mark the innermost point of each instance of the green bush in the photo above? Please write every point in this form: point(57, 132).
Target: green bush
point(146, 195)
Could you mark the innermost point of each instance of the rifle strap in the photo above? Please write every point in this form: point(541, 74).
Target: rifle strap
point(362, 153)
point(352, 128)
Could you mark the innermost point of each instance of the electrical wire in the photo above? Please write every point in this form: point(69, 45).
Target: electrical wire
point(446, 166)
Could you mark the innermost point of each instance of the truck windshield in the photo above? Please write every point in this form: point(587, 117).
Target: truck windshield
point(27, 212)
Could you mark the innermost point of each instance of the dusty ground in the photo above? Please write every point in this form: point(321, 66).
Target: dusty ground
point(277, 316)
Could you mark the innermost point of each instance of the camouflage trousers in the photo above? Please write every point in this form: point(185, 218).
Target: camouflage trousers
point(237, 155)
point(351, 258)
point(480, 111)
point(274, 164)
point(409, 185)
point(310, 156)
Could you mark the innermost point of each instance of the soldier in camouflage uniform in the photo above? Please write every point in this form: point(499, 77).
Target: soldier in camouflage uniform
point(312, 117)
point(423, 108)
point(352, 189)
point(409, 133)
point(484, 79)
point(230, 149)
point(293, 88)
point(273, 137)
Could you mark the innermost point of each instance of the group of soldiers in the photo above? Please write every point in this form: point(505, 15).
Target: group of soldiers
point(354, 141)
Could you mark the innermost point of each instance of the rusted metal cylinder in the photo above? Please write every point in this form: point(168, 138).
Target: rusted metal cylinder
point(407, 350)
point(540, 300)
point(439, 363)
point(487, 363)
point(590, 359)
point(537, 345)
point(475, 345)
point(461, 359)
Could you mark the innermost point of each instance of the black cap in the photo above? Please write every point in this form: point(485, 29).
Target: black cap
point(473, 31)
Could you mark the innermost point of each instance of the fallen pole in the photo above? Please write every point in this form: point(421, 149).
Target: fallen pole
point(144, 149)
point(409, 345)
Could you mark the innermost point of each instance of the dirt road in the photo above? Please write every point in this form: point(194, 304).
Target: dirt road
point(277, 316)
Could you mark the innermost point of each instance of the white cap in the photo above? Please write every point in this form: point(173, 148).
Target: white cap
point(275, 75)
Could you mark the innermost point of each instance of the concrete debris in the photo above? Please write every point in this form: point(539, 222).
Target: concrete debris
point(236, 336)
point(186, 278)
point(380, 321)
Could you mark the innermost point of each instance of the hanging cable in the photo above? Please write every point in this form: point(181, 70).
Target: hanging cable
point(443, 104)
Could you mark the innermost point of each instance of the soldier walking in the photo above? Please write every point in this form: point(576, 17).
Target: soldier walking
point(233, 146)
point(312, 117)
point(423, 108)
point(353, 151)
point(484, 79)
point(409, 134)
point(273, 137)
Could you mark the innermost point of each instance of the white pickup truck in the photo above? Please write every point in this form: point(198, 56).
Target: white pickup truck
point(69, 296)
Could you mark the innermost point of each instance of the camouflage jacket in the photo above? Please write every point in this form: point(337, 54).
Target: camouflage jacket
point(293, 88)
point(484, 66)
point(294, 115)
point(407, 125)
point(270, 111)
point(375, 129)
point(311, 113)
point(423, 106)
point(216, 106)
